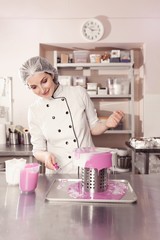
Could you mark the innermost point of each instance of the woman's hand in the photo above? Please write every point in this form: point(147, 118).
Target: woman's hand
point(47, 158)
point(114, 119)
point(111, 122)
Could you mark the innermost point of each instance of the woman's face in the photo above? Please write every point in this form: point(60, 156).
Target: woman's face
point(42, 84)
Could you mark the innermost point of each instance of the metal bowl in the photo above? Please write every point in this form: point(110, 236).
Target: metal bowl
point(122, 152)
point(124, 162)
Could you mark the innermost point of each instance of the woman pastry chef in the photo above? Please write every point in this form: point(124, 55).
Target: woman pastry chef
point(62, 118)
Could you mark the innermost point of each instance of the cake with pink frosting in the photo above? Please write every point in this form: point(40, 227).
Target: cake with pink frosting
point(92, 157)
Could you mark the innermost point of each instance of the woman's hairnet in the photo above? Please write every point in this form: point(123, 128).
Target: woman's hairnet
point(37, 65)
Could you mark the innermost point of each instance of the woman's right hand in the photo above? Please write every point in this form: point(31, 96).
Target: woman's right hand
point(49, 160)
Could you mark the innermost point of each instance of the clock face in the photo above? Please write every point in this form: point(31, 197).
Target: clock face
point(92, 30)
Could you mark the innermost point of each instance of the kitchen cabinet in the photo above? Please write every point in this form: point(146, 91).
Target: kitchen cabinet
point(105, 104)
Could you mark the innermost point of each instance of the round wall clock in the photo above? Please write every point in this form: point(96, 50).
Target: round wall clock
point(92, 30)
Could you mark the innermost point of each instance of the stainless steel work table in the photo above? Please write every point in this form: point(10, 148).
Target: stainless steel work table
point(29, 217)
point(7, 150)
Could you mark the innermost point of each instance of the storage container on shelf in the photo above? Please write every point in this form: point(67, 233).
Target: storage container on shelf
point(81, 56)
point(95, 58)
point(118, 86)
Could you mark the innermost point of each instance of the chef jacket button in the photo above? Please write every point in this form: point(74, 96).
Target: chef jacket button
point(53, 117)
point(67, 112)
point(69, 157)
point(47, 105)
point(66, 143)
point(70, 126)
point(59, 130)
point(74, 140)
point(62, 99)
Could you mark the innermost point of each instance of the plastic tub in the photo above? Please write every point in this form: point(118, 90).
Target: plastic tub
point(13, 168)
point(81, 56)
point(29, 177)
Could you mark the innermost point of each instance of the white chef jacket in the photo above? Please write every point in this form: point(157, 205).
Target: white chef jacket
point(62, 123)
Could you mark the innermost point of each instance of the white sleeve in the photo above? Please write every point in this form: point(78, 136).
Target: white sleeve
point(37, 138)
point(89, 108)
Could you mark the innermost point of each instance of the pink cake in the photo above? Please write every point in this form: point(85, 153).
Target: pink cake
point(92, 157)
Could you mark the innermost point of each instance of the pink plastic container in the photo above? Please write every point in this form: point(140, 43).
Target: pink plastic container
point(29, 177)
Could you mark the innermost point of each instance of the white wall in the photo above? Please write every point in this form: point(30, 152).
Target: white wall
point(24, 25)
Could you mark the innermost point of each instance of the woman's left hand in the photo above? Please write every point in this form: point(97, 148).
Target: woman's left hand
point(114, 119)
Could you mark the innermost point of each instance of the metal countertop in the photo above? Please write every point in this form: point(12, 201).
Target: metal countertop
point(15, 150)
point(30, 217)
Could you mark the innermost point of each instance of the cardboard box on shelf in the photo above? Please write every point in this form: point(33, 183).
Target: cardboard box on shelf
point(102, 91)
point(64, 58)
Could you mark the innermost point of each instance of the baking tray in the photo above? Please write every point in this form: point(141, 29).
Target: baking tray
point(59, 192)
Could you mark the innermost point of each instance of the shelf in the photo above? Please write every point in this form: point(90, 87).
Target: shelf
point(100, 72)
point(96, 66)
point(118, 132)
point(128, 96)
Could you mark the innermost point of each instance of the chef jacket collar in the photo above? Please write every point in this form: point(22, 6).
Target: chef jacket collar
point(58, 91)
point(56, 94)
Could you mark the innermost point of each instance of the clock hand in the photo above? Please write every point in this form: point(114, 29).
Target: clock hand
point(94, 30)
